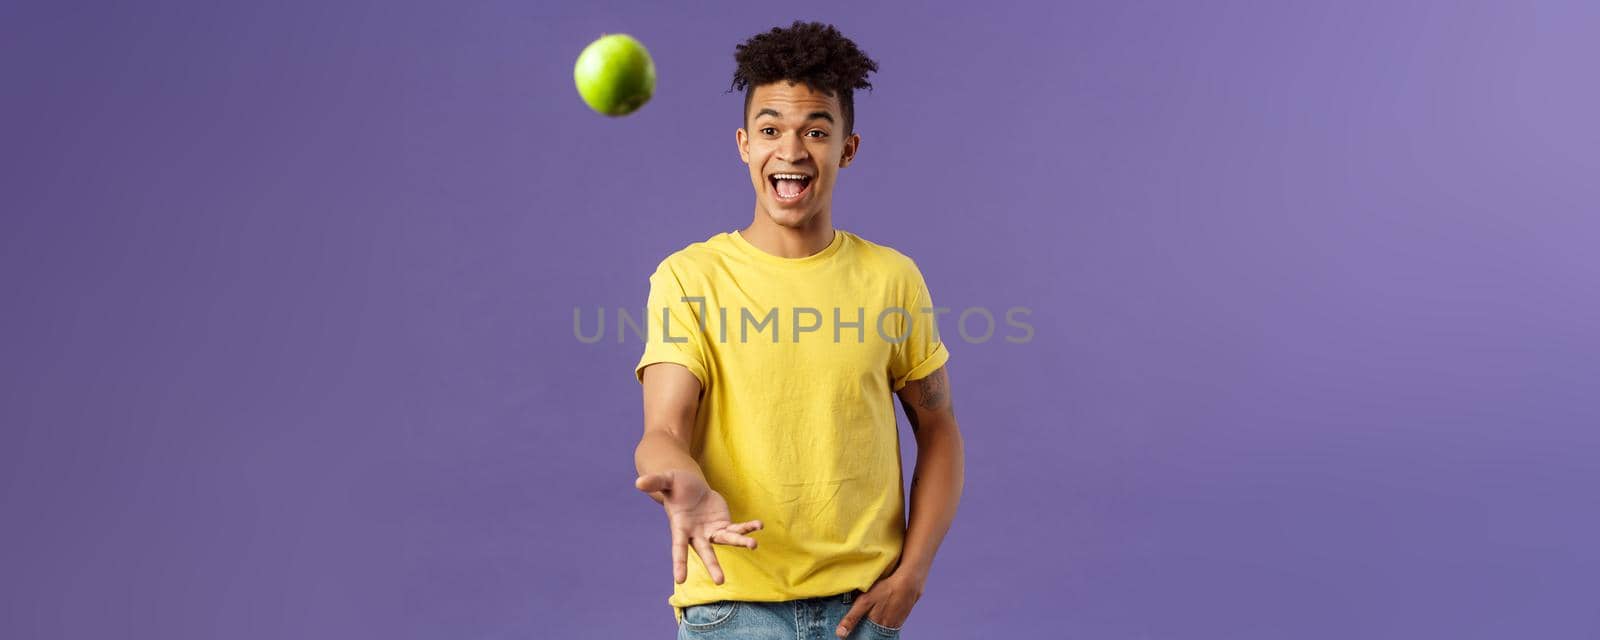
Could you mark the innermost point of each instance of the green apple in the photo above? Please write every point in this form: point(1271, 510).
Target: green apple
point(615, 75)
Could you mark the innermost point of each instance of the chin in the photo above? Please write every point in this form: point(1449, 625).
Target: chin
point(792, 219)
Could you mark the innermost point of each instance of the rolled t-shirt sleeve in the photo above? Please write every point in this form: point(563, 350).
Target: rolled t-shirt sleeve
point(673, 327)
point(922, 351)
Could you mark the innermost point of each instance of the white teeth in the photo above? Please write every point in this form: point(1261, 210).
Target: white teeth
point(788, 176)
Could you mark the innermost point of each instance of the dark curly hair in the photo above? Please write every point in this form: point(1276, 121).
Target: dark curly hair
point(812, 53)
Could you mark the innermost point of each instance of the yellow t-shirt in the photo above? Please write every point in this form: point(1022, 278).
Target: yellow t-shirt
point(798, 359)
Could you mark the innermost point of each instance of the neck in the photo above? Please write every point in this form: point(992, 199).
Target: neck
point(789, 242)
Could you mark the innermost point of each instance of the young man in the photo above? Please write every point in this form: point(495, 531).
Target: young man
point(762, 419)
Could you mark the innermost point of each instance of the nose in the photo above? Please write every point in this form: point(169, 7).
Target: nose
point(792, 149)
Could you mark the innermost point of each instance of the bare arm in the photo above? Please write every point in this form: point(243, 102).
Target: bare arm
point(937, 481)
point(935, 492)
point(697, 516)
point(671, 401)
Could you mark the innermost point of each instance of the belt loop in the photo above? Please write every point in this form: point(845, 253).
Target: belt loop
point(850, 596)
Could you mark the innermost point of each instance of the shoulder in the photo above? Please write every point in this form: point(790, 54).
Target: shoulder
point(885, 259)
point(696, 258)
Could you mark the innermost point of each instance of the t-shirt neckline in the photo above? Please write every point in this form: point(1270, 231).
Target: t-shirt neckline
point(815, 258)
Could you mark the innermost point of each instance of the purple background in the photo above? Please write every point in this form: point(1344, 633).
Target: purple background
point(288, 297)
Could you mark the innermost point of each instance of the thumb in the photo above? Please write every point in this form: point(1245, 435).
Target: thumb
point(653, 482)
point(857, 610)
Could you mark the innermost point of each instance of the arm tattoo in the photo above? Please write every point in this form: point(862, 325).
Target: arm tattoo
point(935, 390)
point(933, 394)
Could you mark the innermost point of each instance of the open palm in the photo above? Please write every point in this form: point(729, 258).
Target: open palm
point(697, 516)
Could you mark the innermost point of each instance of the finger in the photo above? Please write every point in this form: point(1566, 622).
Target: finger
point(848, 624)
point(708, 557)
point(680, 557)
point(653, 482)
point(727, 537)
point(744, 527)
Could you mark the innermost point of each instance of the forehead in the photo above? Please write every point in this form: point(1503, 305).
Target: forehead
point(794, 101)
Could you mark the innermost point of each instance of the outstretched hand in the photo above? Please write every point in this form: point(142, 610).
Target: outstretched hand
point(697, 516)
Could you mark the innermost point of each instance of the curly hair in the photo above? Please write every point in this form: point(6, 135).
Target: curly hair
point(812, 53)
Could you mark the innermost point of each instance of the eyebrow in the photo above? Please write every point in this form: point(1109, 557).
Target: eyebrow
point(815, 115)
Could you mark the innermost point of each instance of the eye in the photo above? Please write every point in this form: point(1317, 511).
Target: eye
point(820, 133)
point(769, 131)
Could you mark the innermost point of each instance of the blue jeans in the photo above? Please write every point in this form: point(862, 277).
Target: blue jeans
point(803, 619)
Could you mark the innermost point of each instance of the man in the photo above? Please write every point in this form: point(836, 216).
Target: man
point(763, 419)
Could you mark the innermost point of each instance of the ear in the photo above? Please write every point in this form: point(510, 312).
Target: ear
point(744, 145)
point(851, 145)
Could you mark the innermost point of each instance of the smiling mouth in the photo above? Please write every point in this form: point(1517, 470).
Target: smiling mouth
point(788, 187)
